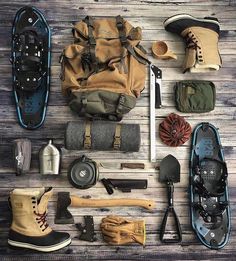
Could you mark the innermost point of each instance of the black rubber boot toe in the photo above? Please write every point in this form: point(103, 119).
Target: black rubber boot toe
point(50, 242)
point(178, 23)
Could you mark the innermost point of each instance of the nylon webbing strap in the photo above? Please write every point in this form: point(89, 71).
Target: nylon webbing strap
point(87, 135)
point(120, 106)
point(117, 138)
point(136, 55)
point(199, 183)
point(123, 39)
point(124, 42)
point(121, 29)
point(92, 42)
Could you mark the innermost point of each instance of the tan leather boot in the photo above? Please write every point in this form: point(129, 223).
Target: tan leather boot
point(29, 227)
point(201, 36)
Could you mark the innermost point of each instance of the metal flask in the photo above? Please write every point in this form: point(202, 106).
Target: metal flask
point(49, 159)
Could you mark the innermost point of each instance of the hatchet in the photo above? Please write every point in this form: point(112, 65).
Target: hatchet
point(65, 200)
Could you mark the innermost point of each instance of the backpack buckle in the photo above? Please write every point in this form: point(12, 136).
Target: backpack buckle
point(119, 24)
point(87, 142)
point(117, 137)
point(87, 135)
point(116, 144)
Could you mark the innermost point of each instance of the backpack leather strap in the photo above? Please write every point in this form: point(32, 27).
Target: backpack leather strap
point(124, 41)
point(138, 57)
point(117, 138)
point(87, 135)
point(92, 42)
point(121, 28)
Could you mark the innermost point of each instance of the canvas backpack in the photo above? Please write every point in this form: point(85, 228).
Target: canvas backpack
point(104, 70)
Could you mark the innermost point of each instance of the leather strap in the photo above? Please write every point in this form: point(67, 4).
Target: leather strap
point(121, 29)
point(124, 41)
point(117, 138)
point(138, 57)
point(87, 135)
point(92, 42)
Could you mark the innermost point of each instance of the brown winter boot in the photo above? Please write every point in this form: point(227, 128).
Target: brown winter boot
point(201, 36)
point(29, 227)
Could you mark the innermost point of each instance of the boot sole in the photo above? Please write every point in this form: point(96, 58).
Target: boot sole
point(39, 248)
point(186, 16)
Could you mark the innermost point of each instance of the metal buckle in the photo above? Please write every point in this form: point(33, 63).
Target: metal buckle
point(116, 143)
point(87, 142)
point(119, 25)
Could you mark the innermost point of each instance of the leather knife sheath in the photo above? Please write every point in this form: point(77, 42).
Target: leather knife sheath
point(124, 185)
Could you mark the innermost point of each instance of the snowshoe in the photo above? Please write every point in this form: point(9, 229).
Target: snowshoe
point(31, 58)
point(210, 211)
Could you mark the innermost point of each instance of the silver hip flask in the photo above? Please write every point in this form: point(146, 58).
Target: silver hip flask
point(49, 159)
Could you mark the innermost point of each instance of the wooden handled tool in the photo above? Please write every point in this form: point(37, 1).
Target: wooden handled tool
point(98, 203)
point(64, 200)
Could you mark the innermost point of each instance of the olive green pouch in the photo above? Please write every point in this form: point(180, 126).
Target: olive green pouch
point(195, 96)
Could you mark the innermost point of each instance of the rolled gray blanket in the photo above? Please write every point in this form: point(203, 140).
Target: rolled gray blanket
point(103, 136)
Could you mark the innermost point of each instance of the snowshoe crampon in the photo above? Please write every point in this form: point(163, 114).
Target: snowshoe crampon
point(210, 212)
point(31, 66)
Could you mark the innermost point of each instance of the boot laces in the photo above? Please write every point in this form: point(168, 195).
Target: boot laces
point(191, 41)
point(42, 218)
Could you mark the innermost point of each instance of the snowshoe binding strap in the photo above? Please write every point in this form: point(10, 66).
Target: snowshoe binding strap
point(210, 181)
point(210, 177)
point(29, 69)
point(210, 209)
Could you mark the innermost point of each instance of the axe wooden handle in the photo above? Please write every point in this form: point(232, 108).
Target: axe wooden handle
point(97, 203)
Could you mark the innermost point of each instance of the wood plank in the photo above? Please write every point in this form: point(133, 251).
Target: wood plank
point(149, 15)
point(71, 10)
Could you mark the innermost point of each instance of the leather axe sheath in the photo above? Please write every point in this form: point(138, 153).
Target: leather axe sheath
point(64, 200)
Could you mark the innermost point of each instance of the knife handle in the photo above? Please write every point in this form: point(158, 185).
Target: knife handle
point(132, 165)
point(158, 96)
point(106, 183)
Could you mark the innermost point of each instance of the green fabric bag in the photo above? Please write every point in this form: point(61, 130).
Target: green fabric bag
point(195, 96)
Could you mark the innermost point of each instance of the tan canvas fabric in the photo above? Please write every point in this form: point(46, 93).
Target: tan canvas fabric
point(25, 221)
point(203, 55)
point(118, 71)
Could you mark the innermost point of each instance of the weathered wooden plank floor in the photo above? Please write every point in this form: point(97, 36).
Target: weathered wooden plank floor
point(150, 16)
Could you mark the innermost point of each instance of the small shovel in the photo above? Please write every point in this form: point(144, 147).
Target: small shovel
point(169, 174)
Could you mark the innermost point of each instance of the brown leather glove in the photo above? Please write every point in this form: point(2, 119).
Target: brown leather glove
point(119, 231)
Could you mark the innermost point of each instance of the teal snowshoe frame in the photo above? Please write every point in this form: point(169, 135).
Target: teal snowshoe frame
point(31, 59)
point(210, 211)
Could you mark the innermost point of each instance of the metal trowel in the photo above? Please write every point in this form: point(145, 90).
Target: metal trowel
point(169, 174)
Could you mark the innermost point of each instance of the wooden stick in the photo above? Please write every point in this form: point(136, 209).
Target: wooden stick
point(97, 203)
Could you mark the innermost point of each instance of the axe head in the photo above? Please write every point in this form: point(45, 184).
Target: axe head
point(63, 216)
